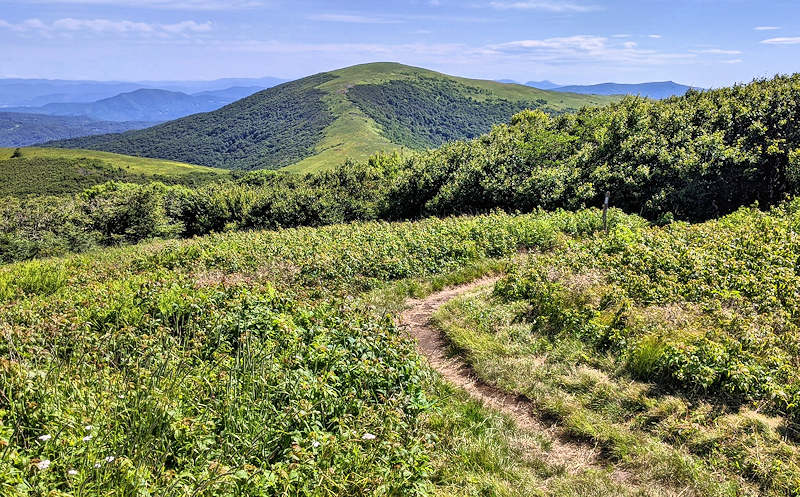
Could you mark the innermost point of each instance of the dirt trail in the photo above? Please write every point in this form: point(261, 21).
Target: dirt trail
point(434, 346)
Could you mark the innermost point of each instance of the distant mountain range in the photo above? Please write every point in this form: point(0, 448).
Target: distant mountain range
point(655, 90)
point(144, 105)
point(37, 92)
point(543, 85)
point(20, 130)
point(319, 121)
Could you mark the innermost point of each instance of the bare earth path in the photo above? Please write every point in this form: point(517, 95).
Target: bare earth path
point(417, 319)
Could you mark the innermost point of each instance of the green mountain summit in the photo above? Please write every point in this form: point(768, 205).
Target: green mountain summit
point(319, 121)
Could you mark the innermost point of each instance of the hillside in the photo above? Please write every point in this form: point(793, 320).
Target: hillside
point(21, 130)
point(47, 171)
point(319, 121)
point(140, 105)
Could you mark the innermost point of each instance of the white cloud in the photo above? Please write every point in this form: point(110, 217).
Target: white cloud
point(733, 61)
point(101, 26)
point(654, 36)
point(169, 4)
point(783, 41)
point(766, 28)
point(584, 49)
point(547, 6)
point(717, 51)
point(354, 19)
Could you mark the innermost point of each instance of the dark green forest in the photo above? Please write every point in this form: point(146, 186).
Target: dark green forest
point(426, 113)
point(687, 158)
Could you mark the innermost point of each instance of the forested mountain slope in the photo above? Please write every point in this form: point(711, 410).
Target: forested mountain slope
point(20, 130)
point(319, 121)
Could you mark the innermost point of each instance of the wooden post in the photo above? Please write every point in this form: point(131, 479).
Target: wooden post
point(605, 212)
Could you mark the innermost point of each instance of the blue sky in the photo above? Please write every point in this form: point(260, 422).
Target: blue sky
point(699, 42)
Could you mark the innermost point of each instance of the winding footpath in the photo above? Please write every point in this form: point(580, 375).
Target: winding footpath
point(434, 346)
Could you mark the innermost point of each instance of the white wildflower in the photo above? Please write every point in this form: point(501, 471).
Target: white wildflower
point(315, 443)
point(43, 464)
point(109, 459)
point(72, 472)
point(97, 465)
point(368, 436)
point(87, 438)
point(45, 438)
point(88, 427)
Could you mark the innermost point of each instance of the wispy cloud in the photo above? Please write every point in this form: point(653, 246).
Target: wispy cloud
point(585, 49)
point(733, 61)
point(717, 51)
point(104, 26)
point(786, 40)
point(547, 6)
point(766, 28)
point(167, 4)
point(656, 37)
point(353, 19)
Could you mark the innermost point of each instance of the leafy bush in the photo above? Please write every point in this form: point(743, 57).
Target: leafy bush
point(706, 308)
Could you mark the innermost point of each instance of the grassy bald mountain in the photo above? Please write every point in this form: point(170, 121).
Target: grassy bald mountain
point(319, 121)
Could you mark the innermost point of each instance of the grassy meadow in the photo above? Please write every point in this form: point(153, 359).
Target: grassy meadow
point(233, 364)
point(673, 350)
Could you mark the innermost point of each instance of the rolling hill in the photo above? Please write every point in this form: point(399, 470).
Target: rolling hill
point(20, 130)
point(49, 171)
point(319, 121)
point(140, 105)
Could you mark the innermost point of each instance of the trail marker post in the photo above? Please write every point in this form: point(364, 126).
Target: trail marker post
point(605, 212)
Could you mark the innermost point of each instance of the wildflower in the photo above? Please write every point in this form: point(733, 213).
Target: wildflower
point(109, 459)
point(368, 436)
point(97, 465)
point(88, 427)
point(43, 464)
point(45, 438)
point(87, 438)
point(315, 443)
point(72, 472)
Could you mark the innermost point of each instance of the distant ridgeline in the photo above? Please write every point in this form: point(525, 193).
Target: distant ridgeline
point(319, 121)
point(689, 158)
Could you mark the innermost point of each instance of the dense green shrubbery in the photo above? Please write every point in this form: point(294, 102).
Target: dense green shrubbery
point(692, 157)
point(234, 364)
point(708, 308)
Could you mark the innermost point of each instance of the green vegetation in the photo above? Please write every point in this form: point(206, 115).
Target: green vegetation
point(217, 359)
point(130, 165)
point(57, 176)
point(268, 130)
point(702, 313)
point(232, 364)
point(21, 130)
point(690, 158)
point(693, 157)
point(315, 123)
point(427, 113)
